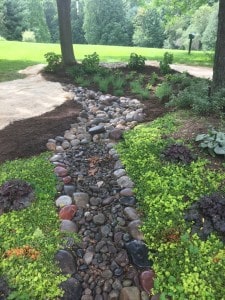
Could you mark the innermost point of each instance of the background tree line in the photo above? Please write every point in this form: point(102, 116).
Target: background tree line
point(153, 23)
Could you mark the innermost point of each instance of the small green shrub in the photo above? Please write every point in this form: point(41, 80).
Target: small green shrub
point(81, 80)
point(214, 141)
point(103, 84)
point(91, 63)
point(136, 62)
point(136, 87)
point(118, 82)
point(164, 64)
point(28, 36)
point(154, 78)
point(54, 61)
point(163, 90)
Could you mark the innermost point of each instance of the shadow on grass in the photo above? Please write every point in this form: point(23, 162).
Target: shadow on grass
point(9, 68)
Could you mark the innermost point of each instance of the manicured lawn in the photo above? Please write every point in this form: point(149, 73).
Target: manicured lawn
point(17, 55)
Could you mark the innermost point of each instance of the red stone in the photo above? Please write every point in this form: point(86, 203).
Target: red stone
point(67, 179)
point(60, 171)
point(147, 280)
point(67, 212)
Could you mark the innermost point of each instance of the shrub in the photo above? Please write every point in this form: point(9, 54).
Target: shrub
point(178, 153)
point(28, 36)
point(163, 90)
point(207, 216)
point(154, 78)
point(91, 63)
point(164, 65)
point(214, 141)
point(54, 61)
point(136, 62)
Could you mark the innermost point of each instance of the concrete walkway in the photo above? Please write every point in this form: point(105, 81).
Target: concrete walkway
point(197, 71)
point(29, 97)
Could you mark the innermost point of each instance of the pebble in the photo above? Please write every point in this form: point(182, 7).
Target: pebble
point(68, 226)
point(99, 219)
point(66, 262)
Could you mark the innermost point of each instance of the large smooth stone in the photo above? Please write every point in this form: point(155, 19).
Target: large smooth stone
point(134, 231)
point(63, 201)
point(96, 129)
point(138, 252)
point(131, 213)
point(72, 289)
point(125, 182)
point(147, 280)
point(128, 201)
point(68, 226)
point(81, 199)
point(67, 212)
point(60, 171)
point(66, 262)
point(130, 293)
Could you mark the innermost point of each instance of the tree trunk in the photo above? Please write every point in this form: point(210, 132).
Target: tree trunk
point(65, 32)
point(219, 63)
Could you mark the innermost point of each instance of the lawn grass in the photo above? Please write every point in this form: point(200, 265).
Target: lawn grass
point(23, 54)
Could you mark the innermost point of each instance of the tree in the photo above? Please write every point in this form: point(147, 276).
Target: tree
point(36, 21)
point(148, 29)
point(13, 19)
point(209, 35)
point(105, 22)
point(77, 21)
point(65, 33)
point(219, 62)
point(50, 10)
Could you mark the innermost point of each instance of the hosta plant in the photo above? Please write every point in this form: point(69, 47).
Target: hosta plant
point(214, 141)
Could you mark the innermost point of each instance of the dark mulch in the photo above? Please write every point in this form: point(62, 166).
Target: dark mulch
point(28, 137)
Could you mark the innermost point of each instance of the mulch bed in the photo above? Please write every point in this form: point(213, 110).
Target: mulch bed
point(28, 137)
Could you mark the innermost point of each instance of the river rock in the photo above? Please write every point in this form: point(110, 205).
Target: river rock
point(68, 226)
point(81, 199)
point(131, 213)
point(147, 280)
point(63, 201)
point(67, 212)
point(60, 171)
point(72, 289)
point(130, 293)
point(66, 262)
point(125, 182)
point(134, 231)
point(138, 253)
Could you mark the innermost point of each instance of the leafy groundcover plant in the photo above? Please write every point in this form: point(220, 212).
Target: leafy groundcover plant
point(29, 238)
point(186, 267)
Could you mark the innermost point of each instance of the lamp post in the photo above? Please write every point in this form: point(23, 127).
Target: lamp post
point(191, 36)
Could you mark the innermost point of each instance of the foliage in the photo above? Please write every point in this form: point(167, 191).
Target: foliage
point(54, 61)
point(163, 90)
point(90, 63)
point(178, 153)
point(184, 264)
point(214, 141)
point(207, 216)
point(28, 36)
point(210, 33)
point(153, 79)
point(136, 62)
point(105, 23)
point(31, 237)
point(164, 64)
point(148, 29)
point(77, 21)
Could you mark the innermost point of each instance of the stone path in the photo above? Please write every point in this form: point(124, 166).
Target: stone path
point(97, 202)
point(29, 97)
point(197, 71)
